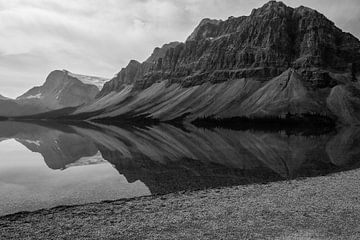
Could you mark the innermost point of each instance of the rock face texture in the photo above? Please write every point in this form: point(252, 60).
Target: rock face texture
point(272, 39)
point(135, 71)
point(278, 61)
point(125, 77)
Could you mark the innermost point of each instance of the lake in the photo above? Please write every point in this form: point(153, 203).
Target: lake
point(46, 164)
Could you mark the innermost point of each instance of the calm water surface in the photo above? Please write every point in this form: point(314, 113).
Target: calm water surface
point(44, 165)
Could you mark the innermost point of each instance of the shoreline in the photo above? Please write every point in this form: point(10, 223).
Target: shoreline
point(323, 207)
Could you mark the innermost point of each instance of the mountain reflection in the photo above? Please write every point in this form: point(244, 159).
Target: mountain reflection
point(169, 159)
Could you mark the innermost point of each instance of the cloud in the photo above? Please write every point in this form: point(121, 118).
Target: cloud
point(98, 37)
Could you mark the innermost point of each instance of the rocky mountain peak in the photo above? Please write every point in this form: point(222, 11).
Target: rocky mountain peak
point(277, 54)
point(126, 76)
point(61, 89)
point(160, 52)
point(271, 8)
point(277, 62)
point(58, 79)
point(303, 10)
point(206, 28)
point(262, 45)
point(133, 62)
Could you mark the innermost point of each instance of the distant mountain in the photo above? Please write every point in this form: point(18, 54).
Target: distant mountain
point(61, 89)
point(4, 98)
point(277, 62)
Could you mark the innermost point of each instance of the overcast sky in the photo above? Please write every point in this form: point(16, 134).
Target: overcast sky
point(98, 37)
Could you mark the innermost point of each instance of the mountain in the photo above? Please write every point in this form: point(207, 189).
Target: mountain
point(61, 89)
point(4, 98)
point(277, 62)
point(89, 80)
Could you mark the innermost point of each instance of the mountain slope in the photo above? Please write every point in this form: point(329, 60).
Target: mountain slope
point(278, 61)
point(61, 89)
point(280, 96)
point(344, 101)
point(262, 45)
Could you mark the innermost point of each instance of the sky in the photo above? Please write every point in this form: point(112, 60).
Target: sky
point(99, 37)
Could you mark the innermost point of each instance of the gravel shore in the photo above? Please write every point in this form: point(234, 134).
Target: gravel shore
point(326, 207)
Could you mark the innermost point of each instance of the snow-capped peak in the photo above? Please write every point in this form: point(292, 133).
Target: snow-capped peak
point(97, 81)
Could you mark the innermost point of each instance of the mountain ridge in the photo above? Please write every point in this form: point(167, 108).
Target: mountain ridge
point(278, 61)
point(292, 37)
point(61, 89)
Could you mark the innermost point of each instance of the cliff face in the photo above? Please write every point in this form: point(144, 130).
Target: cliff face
point(125, 77)
point(262, 45)
point(276, 61)
point(135, 71)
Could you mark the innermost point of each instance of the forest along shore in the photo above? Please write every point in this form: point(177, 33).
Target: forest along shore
point(325, 207)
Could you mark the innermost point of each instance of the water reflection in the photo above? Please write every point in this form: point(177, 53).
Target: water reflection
point(167, 159)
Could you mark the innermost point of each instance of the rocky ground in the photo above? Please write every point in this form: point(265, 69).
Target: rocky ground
point(326, 207)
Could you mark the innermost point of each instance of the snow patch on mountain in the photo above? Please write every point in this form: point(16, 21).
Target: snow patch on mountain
point(92, 80)
point(37, 142)
point(38, 96)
